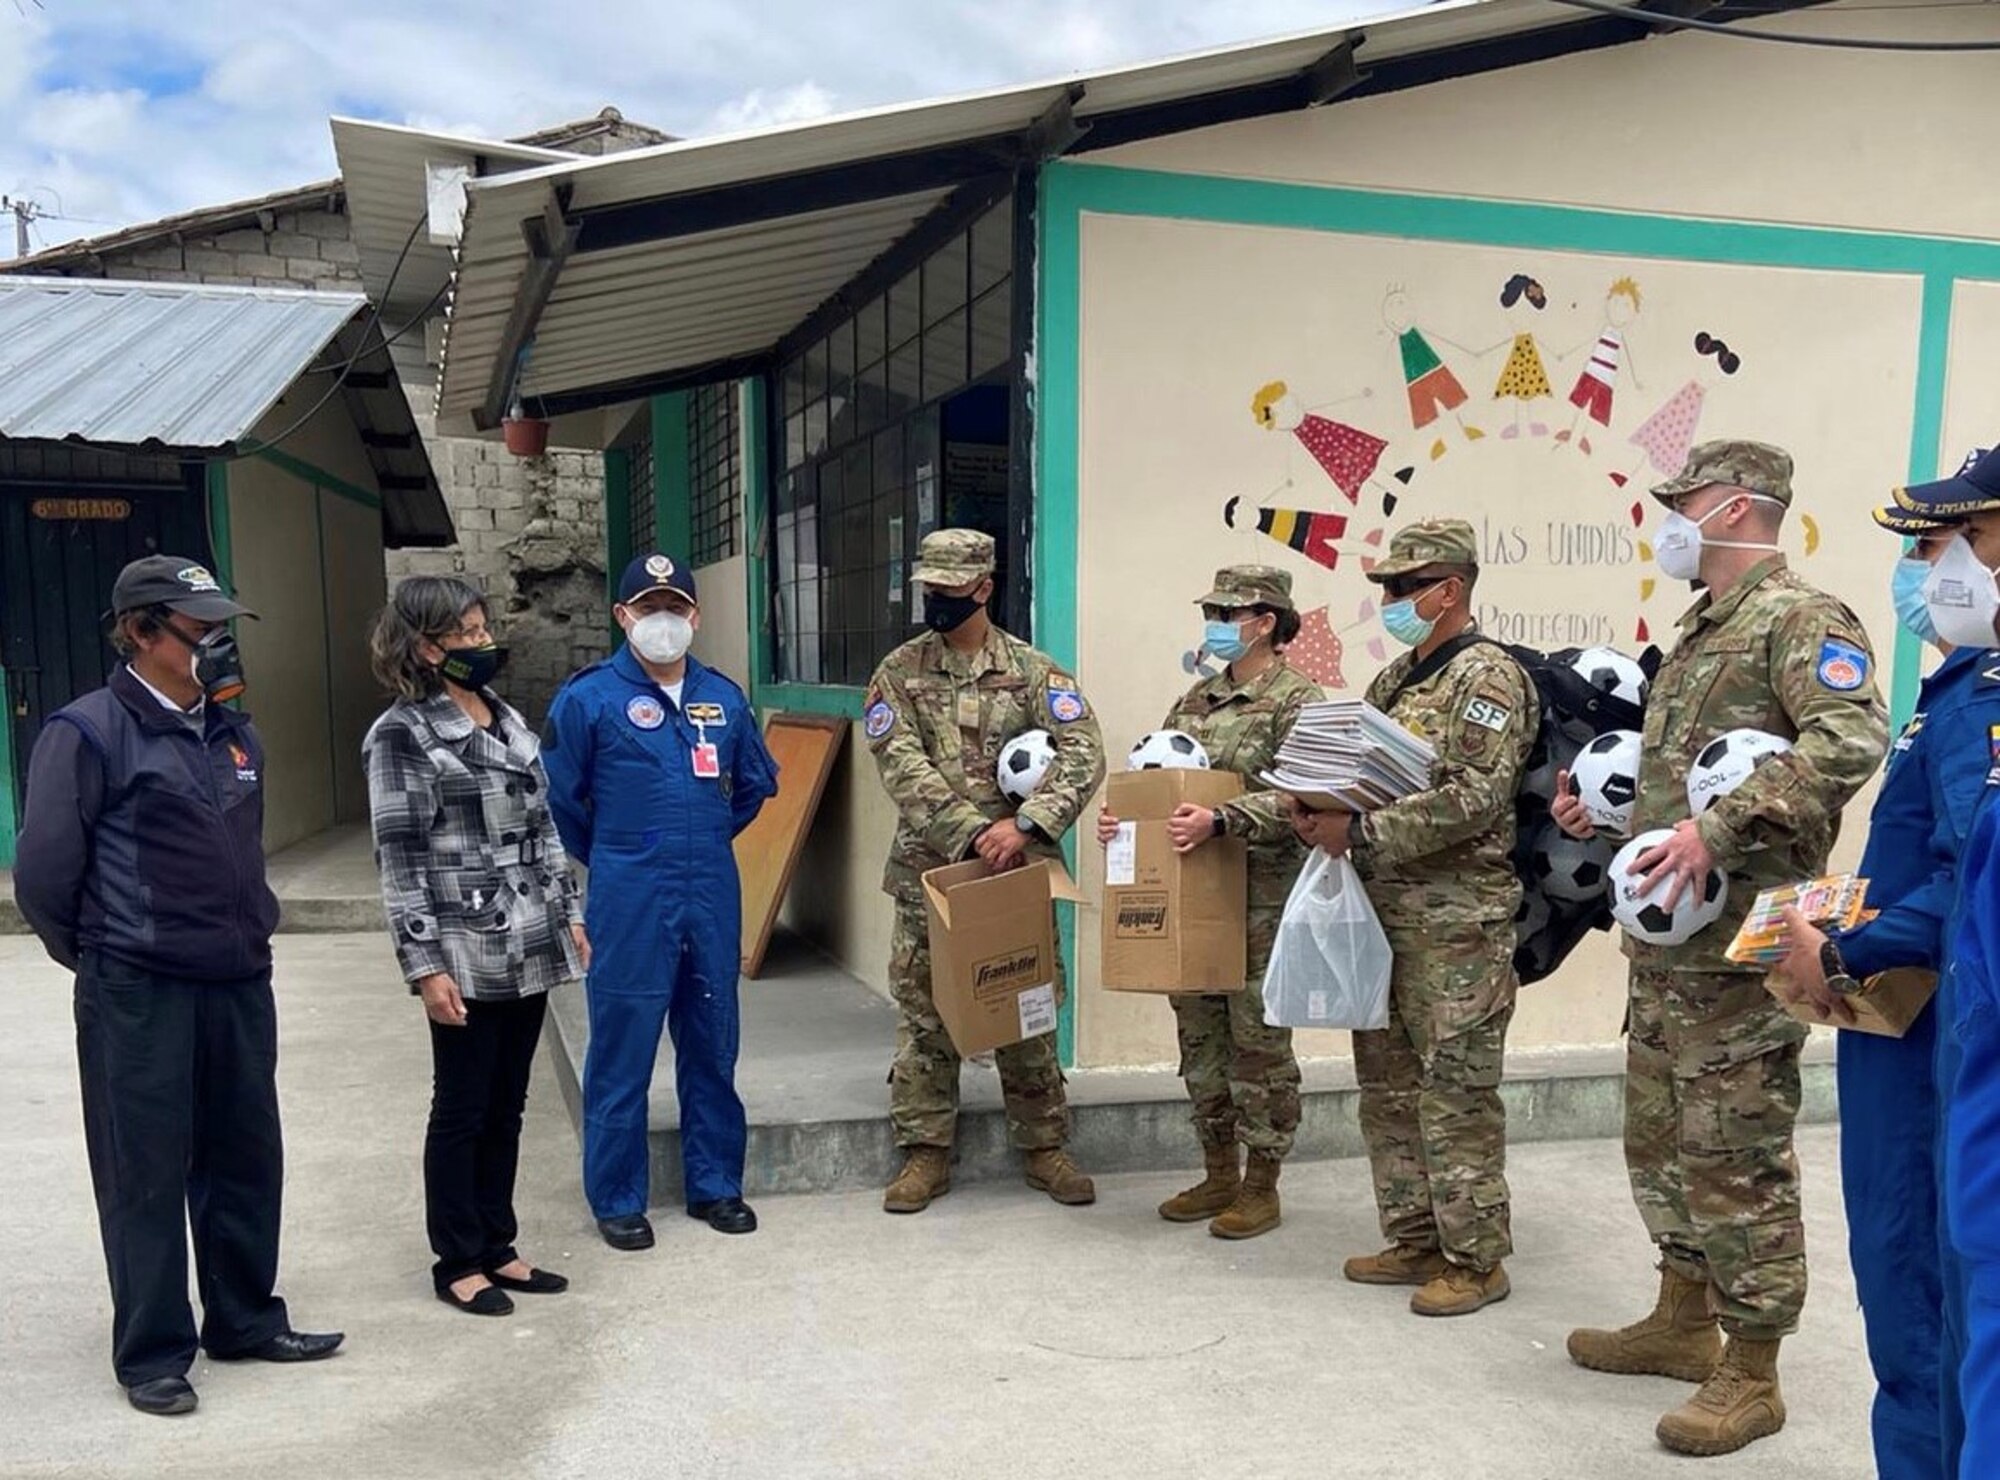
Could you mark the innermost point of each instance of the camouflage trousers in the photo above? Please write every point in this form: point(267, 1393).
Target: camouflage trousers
point(1430, 1092)
point(1240, 1071)
point(923, 1081)
point(1711, 1094)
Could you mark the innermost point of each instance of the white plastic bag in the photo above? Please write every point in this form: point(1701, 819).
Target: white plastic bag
point(1330, 964)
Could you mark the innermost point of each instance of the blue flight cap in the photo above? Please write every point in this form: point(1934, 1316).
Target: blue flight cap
point(1973, 489)
point(655, 572)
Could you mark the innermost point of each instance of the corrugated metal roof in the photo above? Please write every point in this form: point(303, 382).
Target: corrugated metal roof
point(153, 364)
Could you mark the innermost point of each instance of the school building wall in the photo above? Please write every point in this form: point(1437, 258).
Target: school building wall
point(1182, 275)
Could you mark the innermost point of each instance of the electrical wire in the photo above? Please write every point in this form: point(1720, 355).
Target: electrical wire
point(1665, 22)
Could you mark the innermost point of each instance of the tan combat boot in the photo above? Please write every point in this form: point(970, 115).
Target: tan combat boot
point(1052, 1171)
point(1255, 1210)
point(1399, 1264)
point(1213, 1193)
point(1458, 1291)
point(926, 1174)
point(1678, 1339)
point(1739, 1403)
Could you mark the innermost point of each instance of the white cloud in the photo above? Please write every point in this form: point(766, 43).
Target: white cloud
point(760, 109)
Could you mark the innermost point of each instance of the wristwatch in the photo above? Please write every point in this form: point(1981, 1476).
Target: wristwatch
point(1220, 826)
point(1838, 978)
point(1029, 826)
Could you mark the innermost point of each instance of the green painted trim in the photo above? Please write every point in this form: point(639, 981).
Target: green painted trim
point(812, 698)
point(312, 473)
point(673, 478)
point(326, 652)
point(222, 548)
point(757, 502)
point(617, 528)
point(1926, 438)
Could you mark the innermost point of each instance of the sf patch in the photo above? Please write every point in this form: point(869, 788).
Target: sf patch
point(1065, 703)
point(1843, 665)
point(878, 719)
point(646, 712)
point(1487, 714)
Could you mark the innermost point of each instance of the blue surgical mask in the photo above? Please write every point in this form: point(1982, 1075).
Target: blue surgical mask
point(1224, 640)
point(1906, 589)
point(1400, 619)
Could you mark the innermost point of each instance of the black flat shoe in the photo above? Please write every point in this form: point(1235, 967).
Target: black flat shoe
point(538, 1282)
point(725, 1215)
point(288, 1346)
point(164, 1397)
point(486, 1301)
point(629, 1232)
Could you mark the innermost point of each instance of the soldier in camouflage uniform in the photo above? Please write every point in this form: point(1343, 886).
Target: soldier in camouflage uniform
point(1712, 1060)
point(1437, 868)
point(938, 711)
point(1240, 1071)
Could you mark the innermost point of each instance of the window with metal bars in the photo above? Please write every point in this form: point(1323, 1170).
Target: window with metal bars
point(715, 473)
point(641, 497)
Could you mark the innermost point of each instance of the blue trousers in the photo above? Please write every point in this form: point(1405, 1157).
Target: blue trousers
point(699, 1009)
point(1889, 1131)
point(1954, 1275)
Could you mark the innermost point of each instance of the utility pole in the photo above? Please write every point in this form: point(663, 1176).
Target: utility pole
point(25, 213)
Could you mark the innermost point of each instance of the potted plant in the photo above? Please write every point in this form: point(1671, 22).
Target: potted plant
point(526, 436)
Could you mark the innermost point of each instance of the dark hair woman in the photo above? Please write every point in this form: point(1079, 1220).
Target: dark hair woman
point(484, 913)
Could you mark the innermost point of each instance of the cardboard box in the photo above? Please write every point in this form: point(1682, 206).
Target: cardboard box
point(1886, 1009)
point(1173, 922)
point(993, 950)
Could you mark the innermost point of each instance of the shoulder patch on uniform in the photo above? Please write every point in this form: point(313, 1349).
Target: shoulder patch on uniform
point(879, 718)
point(1990, 674)
point(645, 711)
point(1486, 713)
point(1066, 705)
point(1843, 665)
point(1993, 743)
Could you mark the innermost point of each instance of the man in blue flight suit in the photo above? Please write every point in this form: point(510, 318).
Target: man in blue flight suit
point(1891, 1122)
point(655, 763)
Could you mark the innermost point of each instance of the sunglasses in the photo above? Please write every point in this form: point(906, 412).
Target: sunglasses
point(1411, 585)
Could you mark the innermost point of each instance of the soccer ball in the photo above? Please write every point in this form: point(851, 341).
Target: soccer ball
point(1611, 672)
point(1167, 750)
point(1552, 755)
point(1570, 870)
point(1532, 917)
point(1024, 761)
point(1606, 775)
point(1726, 762)
point(1643, 916)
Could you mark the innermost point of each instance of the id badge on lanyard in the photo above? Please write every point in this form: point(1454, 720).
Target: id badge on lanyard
point(707, 759)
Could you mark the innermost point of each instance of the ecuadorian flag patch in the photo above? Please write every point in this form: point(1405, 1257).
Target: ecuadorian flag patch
point(1843, 666)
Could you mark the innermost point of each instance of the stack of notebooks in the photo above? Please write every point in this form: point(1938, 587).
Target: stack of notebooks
point(1347, 754)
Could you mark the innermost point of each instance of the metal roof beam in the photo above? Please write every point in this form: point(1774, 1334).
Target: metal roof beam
point(1670, 11)
point(589, 398)
point(1057, 131)
point(1335, 75)
point(551, 237)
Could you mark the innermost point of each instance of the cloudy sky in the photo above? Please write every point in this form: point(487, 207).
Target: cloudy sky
point(121, 111)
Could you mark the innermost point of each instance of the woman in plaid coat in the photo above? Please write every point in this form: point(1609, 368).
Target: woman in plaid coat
point(484, 913)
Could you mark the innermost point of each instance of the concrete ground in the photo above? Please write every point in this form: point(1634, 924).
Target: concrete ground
point(996, 1334)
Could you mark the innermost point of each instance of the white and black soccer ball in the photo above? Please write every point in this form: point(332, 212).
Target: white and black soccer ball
point(1606, 776)
point(1611, 672)
point(1644, 917)
point(1555, 752)
point(1167, 750)
point(1571, 870)
point(1024, 761)
point(1726, 762)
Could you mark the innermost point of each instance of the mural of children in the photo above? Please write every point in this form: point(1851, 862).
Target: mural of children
point(1431, 385)
point(1316, 535)
point(1609, 358)
point(1348, 455)
point(1522, 378)
point(1666, 435)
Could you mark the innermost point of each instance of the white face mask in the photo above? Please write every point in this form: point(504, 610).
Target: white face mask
point(1962, 597)
point(1680, 543)
point(662, 637)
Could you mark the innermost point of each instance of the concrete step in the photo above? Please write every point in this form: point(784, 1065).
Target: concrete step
point(815, 1061)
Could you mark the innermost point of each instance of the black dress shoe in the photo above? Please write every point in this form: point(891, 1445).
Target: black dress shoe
point(164, 1396)
point(538, 1282)
point(288, 1346)
point(725, 1215)
point(485, 1301)
point(632, 1231)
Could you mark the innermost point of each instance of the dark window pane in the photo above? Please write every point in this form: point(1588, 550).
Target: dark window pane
point(926, 477)
point(795, 440)
point(871, 391)
point(992, 331)
point(840, 359)
point(854, 475)
point(815, 370)
point(833, 656)
point(815, 428)
point(904, 318)
point(794, 382)
point(889, 460)
point(993, 246)
point(944, 281)
point(944, 356)
point(905, 386)
point(871, 333)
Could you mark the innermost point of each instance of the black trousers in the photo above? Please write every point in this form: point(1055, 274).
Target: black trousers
point(180, 1115)
point(479, 1085)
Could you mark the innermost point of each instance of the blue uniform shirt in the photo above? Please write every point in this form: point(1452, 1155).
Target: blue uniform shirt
point(1923, 816)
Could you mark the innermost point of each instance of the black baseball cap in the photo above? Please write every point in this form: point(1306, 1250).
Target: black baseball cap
point(177, 583)
point(655, 572)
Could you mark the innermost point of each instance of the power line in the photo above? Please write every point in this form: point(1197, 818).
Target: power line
point(1664, 22)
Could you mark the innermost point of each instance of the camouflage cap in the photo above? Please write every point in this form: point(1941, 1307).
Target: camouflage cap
point(1251, 585)
point(1754, 467)
point(1428, 542)
point(954, 557)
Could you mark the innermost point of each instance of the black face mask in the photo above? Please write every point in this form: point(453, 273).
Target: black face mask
point(474, 667)
point(944, 613)
point(218, 662)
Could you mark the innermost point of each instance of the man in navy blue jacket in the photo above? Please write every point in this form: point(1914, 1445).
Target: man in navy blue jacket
point(141, 866)
point(655, 765)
